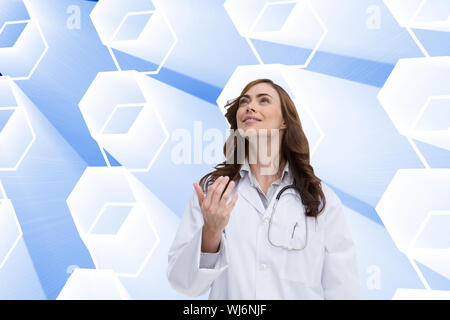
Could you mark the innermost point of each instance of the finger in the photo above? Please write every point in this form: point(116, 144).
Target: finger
point(207, 201)
point(227, 193)
point(215, 201)
point(200, 194)
point(212, 189)
point(230, 206)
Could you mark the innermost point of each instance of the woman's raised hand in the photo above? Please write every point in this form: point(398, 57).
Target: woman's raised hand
point(214, 207)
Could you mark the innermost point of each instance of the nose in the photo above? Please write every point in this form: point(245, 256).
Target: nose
point(251, 107)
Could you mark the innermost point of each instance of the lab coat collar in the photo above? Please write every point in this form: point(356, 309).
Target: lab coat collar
point(251, 194)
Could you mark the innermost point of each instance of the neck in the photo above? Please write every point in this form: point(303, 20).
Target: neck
point(265, 157)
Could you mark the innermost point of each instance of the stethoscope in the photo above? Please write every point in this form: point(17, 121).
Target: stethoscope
point(288, 247)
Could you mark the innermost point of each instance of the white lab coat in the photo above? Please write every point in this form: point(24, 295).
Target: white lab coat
point(247, 266)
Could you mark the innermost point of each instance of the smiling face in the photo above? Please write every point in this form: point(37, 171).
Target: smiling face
point(260, 108)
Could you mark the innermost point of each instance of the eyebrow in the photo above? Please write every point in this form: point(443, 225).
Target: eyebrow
point(258, 95)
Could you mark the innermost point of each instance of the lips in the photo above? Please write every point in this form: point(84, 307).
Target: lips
point(250, 119)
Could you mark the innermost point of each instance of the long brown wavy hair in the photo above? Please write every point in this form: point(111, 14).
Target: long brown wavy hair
point(294, 146)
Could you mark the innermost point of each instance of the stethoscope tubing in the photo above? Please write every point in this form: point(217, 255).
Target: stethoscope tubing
point(271, 216)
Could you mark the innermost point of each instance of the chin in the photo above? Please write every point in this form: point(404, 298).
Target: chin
point(253, 130)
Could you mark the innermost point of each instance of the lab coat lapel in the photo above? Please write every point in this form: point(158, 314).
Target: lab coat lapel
point(250, 194)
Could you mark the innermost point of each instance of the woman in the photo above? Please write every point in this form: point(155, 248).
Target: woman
point(231, 237)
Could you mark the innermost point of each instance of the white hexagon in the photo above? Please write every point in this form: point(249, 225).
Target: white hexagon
point(403, 10)
point(121, 117)
point(432, 124)
point(10, 230)
point(406, 97)
point(287, 32)
point(279, 74)
point(121, 240)
point(134, 28)
point(111, 218)
point(433, 232)
point(405, 207)
point(16, 133)
point(11, 31)
point(432, 15)
point(420, 294)
point(21, 60)
point(421, 14)
point(92, 284)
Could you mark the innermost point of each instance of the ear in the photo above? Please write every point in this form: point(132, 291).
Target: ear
point(283, 126)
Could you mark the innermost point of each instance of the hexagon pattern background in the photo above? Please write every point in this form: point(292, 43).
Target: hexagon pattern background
point(95, 95)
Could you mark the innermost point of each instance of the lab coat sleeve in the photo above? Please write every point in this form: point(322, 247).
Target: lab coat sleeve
point(340, 277)
point(191, 271)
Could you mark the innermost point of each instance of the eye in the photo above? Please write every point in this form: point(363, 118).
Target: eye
point(242, 101)
point(264, 99)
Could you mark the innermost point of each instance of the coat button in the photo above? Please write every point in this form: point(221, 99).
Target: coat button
point(263, 266)
point(266, 220)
